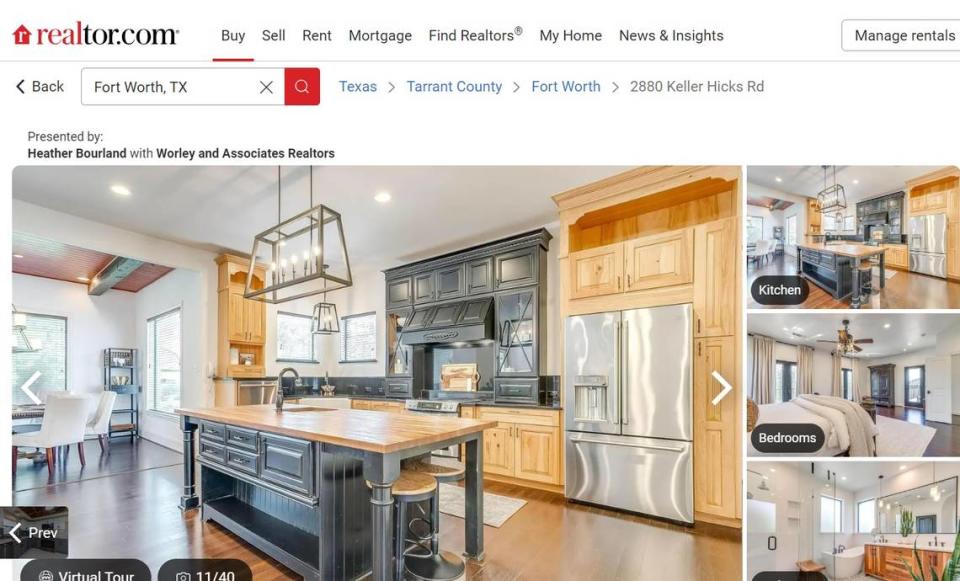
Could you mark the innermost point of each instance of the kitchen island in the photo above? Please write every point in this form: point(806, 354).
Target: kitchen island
point(310, 486)
point(834, 267)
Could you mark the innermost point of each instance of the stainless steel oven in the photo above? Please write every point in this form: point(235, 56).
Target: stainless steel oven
point(437, 407)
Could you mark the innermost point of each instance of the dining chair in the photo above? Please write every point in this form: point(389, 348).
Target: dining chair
point(65, 419)
point(99, 424)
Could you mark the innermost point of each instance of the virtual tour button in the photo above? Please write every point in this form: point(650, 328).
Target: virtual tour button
point(101, 569)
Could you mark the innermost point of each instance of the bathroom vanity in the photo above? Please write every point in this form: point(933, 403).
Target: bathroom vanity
point(886, 560)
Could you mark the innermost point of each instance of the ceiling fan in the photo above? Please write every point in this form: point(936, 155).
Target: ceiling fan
point(845, 342)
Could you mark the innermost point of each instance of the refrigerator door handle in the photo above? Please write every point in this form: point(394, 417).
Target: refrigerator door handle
point(624, 376)
point(627, 445)
point(618, 366)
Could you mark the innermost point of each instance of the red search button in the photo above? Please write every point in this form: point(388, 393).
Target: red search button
point(301, 86)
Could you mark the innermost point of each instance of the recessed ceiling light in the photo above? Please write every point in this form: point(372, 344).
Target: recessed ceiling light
point(778, 178)
point(18, 256)
point(83, 279)
point(383, 197)
point(909, 344)
point(902, 467)
point(773, 470)
point(856, 181)
point(120, 190)
point(886, 325)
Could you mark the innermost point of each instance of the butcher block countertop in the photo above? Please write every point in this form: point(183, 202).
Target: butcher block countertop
point(364, 430)
point(848, 249)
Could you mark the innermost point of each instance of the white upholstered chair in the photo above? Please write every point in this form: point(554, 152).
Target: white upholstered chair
point(99, 424)
point(65, 419)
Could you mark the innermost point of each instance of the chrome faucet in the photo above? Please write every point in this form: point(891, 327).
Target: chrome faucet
point(841, 549)
point(278, 400)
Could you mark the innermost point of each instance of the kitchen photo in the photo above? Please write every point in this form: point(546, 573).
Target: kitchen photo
point(852, 520)
point(346, 372)
point(871, 237)
point(876, 384)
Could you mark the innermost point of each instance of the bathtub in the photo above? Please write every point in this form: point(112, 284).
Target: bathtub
point(843, 565)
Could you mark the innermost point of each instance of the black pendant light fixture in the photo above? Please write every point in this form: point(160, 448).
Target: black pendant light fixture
point(325, 320)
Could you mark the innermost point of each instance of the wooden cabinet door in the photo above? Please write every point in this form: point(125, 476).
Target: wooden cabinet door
point(658, 261)
point(399, 292)
point(236, 316)
point(869, 560)
point(936, 200)
point(537, 454)
point(715, 283)
point(450, 282)
point(498, 449)
point(716, 448)
point(253, 320)
point(953, 249)
point(918, 203)
point(596, 272)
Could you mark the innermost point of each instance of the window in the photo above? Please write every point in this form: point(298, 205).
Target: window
point(754, 229)
point(295, 338)
point(49, 333)
point(786, 378)
point(164, 362)
point(831, 514)
point(927, 524)
point(829, 222)
point(849, 224)
point(358, 338)
point(846, 381)
point(791, 226)
point(866, 515)
point(913, 386)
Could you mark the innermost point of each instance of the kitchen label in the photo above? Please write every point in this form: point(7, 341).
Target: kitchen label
point(779, 290)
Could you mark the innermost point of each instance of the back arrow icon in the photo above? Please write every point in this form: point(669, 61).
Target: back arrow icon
point(13, 531)
point(20, 85)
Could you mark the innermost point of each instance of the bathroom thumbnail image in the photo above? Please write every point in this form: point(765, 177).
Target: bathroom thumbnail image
point(851, 519)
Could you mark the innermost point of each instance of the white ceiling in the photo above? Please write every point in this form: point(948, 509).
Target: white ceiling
point(807, 180)
point(907, 331)
point(433, 210)
point(854, 476)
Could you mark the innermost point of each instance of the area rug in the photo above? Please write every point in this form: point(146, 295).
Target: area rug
point(496, 509)
point(889, 272)
point(899, 438)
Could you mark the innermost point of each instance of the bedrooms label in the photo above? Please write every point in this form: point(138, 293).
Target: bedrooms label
point(779, 290)
point(787, 438)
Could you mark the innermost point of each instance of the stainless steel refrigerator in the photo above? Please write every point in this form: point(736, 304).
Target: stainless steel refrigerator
point(629, 421)
point(928, 244)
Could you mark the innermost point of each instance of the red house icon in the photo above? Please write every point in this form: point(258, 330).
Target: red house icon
point(21, 35)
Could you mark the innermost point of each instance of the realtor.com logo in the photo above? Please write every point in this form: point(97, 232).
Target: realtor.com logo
point(84, 34)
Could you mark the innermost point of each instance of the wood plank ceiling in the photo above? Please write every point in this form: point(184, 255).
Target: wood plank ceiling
point(36, 256)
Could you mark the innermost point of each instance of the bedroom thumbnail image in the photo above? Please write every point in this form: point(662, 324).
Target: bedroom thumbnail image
point(851, 519)
point(853, 384)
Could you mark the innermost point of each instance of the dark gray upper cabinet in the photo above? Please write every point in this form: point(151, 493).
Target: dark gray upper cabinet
point(424, 288)
point(475, 311)
point(446, 315)
point(399, 292)
point(517, 268)
point(480, 276)
point(450, 282)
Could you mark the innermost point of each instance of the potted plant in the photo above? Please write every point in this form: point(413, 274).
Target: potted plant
point(906, 522)
point(951, 571)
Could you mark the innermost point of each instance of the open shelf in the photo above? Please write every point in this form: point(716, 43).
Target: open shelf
point(293, 547)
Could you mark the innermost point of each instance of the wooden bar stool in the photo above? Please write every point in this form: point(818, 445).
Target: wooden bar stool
point(438, 565)
point(410, 487)
point(866, 277)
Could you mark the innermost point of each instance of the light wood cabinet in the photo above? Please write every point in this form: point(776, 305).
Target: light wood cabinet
point(236, 313)
point(814, 218)
point(242, 322)
point(953, 249)
point(715, 306)
point(716, 447)
point(598, 271)
point(526, 445)
point(394, 407)
point(871, 560)
point(896, 256)
point(659, 261)
point(892, 563)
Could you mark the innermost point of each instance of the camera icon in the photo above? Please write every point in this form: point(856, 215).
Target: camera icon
point(182, 576)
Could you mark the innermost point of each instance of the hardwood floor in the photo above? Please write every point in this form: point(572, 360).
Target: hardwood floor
point(134, 514)
point(123, 457)
point(906, 290)
point(946, 442)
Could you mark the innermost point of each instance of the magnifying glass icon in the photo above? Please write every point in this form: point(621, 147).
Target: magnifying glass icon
point(301, 86)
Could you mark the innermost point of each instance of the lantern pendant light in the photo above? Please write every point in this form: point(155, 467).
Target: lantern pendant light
point(325, 320)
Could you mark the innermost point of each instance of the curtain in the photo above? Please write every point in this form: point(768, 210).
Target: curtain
point(860, 375)
point(836, 374)
point(764, 367)
point(804, 369)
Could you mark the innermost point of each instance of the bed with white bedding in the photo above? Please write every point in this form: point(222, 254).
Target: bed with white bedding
point(848, 429)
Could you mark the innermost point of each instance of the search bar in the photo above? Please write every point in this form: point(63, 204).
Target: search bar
point(200, 86)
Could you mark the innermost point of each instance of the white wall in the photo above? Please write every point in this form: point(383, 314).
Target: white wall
point(366, 295)
point(93, 323)
point(179, 288)
point(68, 229)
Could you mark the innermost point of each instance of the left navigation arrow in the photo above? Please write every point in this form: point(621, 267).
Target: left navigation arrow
point(13, 533)
point(20, 86)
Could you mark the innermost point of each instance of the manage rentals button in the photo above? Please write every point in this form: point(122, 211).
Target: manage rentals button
point(787, 438)
point(900, 35)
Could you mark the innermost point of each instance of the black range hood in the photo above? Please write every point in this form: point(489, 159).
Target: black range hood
point(457, 322)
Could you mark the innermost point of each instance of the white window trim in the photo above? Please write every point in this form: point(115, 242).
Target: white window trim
point(343, 330)
point(313, 340)
point(171, 416)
